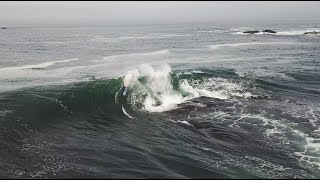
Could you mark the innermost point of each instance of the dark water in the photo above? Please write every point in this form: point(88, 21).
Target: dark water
point(203, 101)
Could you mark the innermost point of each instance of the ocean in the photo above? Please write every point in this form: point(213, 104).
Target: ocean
point(160, 101)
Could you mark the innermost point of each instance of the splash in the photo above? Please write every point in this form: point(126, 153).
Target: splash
point(155, 89)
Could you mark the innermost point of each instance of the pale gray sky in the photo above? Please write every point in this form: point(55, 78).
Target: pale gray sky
point(99, 12)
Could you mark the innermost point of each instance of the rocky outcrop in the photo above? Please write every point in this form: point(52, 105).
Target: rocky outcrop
point(269, 31)
point(273, 32)
point(3, 28)
point(312, 32)
point(251, 32)
point(256, 31)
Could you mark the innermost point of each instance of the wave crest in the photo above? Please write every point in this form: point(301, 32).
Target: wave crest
point(158, 89)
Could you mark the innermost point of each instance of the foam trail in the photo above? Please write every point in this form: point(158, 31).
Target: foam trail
point(153, 53)
point(125, 112)
point(246, 44)
point(39, 66)
point(241, 29)
point(182, 122)
point(116, 96)
point(204, 31)
point(185, 122)
point(138, 37)
point(296, 32)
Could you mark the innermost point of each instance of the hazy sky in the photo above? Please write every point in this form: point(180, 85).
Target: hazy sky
point(99, 12)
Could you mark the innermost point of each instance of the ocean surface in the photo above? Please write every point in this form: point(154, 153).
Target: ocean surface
point(202, 101)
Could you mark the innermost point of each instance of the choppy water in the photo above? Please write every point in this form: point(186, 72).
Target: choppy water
point(203, 101)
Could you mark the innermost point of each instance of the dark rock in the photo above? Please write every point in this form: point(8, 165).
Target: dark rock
point(251, 32)
point(37, 68)
point(3, 28)
point(314, 32)
point(269, 31)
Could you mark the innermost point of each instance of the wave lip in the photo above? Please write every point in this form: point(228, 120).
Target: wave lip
point(26, 76)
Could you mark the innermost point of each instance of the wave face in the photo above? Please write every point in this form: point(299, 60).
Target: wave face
point(183, 100)
point(160, 101)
